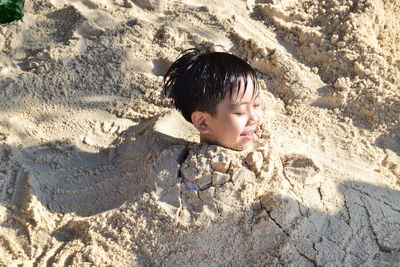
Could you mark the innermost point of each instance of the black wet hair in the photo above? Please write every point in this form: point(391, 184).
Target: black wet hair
point(199, 80)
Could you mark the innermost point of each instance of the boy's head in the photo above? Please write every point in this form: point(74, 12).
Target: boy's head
point(217, 93)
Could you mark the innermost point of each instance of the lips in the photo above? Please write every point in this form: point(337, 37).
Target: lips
point(249, 134)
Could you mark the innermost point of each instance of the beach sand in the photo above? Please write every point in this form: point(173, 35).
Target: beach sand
point(97, 169)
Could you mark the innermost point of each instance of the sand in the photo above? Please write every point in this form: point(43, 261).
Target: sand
point(97, 169)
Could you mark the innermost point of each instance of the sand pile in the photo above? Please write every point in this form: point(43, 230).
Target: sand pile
point(96, 169)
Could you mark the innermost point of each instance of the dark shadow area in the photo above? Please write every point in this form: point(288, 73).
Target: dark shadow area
point(278, 230)
point(160, 66)
point(256, 15)
point(326, 98)
point(364, 231)
point(65, 21)
point(390, 141)
point(68, 180)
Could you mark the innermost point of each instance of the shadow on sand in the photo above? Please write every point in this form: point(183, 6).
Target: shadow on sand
point(275, 229)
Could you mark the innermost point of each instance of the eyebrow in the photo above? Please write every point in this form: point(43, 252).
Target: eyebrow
point(238, 104)
point(235, 105)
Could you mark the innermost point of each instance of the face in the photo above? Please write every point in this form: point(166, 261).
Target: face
point(236, 120)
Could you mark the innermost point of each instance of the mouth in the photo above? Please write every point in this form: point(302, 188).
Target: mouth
point(248, 135)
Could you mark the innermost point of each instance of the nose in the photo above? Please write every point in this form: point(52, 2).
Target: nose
point(254, 115)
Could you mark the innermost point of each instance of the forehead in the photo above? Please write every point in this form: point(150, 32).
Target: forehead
point(243, 89)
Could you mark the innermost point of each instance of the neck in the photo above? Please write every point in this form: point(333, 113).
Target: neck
point(206, 139)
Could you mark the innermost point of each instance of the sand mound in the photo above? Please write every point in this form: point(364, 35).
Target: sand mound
point(95, 167)
point(352, 47)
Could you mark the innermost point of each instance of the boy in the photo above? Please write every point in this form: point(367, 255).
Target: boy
point(217, 93)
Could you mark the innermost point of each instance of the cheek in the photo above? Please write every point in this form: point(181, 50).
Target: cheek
point(238, 124)
point(259, 114)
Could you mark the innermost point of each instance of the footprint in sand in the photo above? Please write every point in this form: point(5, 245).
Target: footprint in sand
point(300, 170)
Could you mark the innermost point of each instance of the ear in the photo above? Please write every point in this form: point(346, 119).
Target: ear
point(199, 120)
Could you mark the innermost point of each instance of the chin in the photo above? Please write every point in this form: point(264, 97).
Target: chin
point(241, 147)
point(247, 146)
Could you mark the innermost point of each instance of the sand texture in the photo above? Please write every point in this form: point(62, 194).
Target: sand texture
point(96, 169)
